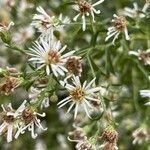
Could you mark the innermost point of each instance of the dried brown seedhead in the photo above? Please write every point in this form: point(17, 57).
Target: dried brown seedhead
point(119, 23)
point(84, 6)
point(74, 65)
point(8, 84)
point(28, 115)
point(110, 135)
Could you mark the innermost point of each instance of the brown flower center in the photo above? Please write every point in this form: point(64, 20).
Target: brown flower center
point(144, 55)
point(53, 57)
point(141, 134)
point(77, 94)
point(28, 115)
point(8, 118)
point(84, 6)
point(120, 23)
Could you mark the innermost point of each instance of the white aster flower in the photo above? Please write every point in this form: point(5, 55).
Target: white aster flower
point(142, 55)
point(140, 135)
point(135, 12)
point(85, 9)
point(48, 52)
point(29, 120)
point(79, 95)
point(119, 26)
point(45, 23)
point(10, 123)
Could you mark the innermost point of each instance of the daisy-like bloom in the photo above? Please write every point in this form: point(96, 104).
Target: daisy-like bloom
point(74, 66)
point(45, 23)
point(10, 124)
point(85, 9)
point(119, 25)
point(110, 137)
point(47, 52)
point(140, 135)
point(9, 84)
point(142, 55)
point(79, 95)
point(145, 93)
point(30, 119)
point(135, 12)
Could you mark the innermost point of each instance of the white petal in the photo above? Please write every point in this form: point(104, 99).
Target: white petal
point(83, 23)
point(70, 107)
point(116, 36)
point(85, 108)
point(97, 3)
point(2, 127)
point(64, 103)
point(110, 35)
point(33, 135)
point(76, 110)
point(126, 34)
point(9, 133)
point(133, 53)
point(62, 49)
point(88, 103)
point(47, 69)
point(93, 90)
point(67, 98)
point(90, 84)
point(76, 17)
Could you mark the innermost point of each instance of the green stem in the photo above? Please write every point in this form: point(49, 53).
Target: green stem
point(92, 69)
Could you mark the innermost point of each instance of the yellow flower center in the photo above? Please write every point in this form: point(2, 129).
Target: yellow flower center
point(77, 94)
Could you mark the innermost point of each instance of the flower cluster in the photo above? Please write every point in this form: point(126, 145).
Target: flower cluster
point(46, 23)
point(53, 71)
point(15, 122)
